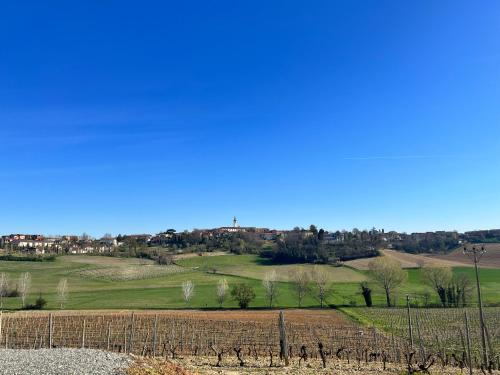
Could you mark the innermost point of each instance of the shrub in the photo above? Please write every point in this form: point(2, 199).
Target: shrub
point(243, 294)
point(38, 305)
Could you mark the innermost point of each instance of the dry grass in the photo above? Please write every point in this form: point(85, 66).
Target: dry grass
point(105, 261)
point(129, 272)
point(155, 366)
point(489, 260)
point(207, 254)
point(206, 366)
point(408, 260)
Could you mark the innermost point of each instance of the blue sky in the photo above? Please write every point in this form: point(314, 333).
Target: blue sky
point(125, 117)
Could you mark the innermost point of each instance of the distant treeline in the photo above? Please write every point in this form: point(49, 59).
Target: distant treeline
point(312, 246)
point(28, 258)
point(297, 246)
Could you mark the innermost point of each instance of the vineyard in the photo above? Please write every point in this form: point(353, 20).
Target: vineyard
point(439, 331)
point(324, 336)
point(139, 272)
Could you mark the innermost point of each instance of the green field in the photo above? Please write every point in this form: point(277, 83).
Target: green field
point(114, 283)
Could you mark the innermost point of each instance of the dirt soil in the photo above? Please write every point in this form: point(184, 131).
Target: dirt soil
point(230, 366)
point(292, 315)
point(409, 260)
point(491, 259)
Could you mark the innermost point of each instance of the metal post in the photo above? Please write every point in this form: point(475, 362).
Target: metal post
point(410, 331)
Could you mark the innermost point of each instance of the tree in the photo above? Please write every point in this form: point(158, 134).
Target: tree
point(439, 278)
point(367, 293)
point(321, 234)
point(460, 290)
point(300, 284)
point(187, 291)
point(270, 284)
point(4, 287)
point(388, 274)
point(24, 286)
point(320, 279)
point(222, 288)
point(62, 292)
point(243, 294)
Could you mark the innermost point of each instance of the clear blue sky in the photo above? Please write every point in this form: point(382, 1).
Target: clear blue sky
point(124, 117)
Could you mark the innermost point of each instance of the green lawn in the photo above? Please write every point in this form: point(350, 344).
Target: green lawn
point(254, 267)
point(111, 283)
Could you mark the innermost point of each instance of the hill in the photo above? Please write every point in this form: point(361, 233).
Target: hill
point(407, 260)
point(491, 259)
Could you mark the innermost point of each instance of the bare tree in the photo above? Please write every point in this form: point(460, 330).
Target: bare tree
point(187, 291)
point(439, 278)
point(270, 284)
point(222, 289)
point(62, 292)
point(4, 287)
point(388, 274)
point(320, 279)
point(24, 286)
point(300, 283)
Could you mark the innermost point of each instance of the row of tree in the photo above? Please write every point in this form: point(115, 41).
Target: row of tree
point(22, 289)
point(453, 290)
point(304, 283)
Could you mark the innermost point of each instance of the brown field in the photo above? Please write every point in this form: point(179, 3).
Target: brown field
point(292, 315)
point(489, 260)
point(408, 260)
point(206, 254)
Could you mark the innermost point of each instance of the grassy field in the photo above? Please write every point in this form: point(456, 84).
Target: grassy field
point(253, 267)
point(112, 283)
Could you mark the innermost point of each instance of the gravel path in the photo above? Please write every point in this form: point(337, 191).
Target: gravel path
point(62, 362)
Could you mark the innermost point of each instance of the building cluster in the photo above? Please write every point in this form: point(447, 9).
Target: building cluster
point(39, 244)
point(70, 244)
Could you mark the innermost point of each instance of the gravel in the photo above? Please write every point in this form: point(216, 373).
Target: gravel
point(62, 362)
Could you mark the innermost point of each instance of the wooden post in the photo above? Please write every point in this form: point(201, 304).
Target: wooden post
point(155, 333)
point(283, 340)
point(410, 332)
point(109, 336)
point(467, 334)
point(1, 316)
point(83, 334)
point(51, 324)
point(124, 338)
point(131, 340)
point(420, 343)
